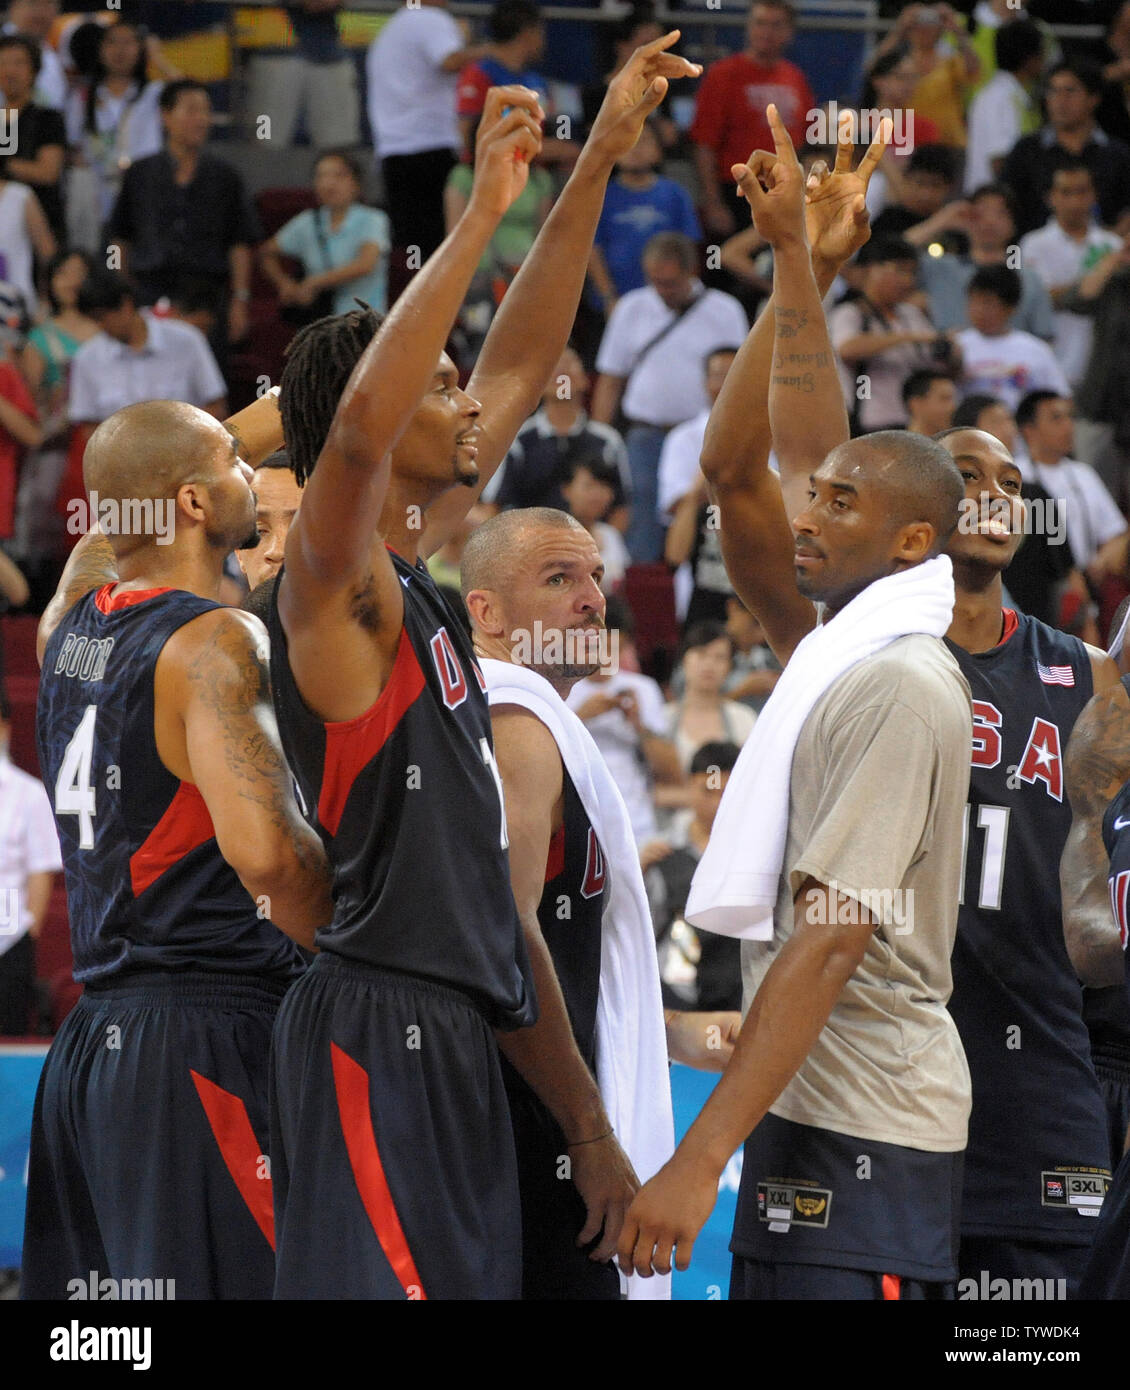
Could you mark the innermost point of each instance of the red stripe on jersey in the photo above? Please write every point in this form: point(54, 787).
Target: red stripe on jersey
point(351, 1081)
point(185, 826)
point(353, 743)
point(892, 1283)
point(555, 860)
point(240, 1150)
point(105, 604)
point(1011, 623)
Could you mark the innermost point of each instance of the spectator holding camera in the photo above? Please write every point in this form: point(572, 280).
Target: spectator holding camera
point(880, 338)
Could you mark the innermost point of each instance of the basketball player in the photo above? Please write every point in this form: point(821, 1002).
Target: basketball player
point(848, 1070)
point(538, 571)
point(277, 499)
point(1095, 874)
point(1015, 998)
point(184, 854)
point(395, 1172)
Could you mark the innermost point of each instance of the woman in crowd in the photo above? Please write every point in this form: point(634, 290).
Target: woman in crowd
point(25, 238)
point(342, 245)
point(111, 122)
point(46, 364)
point(944, 76)
point(41, 142)
point(703, 714)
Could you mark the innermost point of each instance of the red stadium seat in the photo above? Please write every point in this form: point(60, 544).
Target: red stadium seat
point(649, 591)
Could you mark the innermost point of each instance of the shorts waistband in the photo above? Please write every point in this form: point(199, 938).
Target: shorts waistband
point(325, 962)
point(199, 987)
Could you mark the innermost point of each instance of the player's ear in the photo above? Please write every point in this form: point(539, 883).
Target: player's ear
point(915, 543)
point(486, 612)
point(192, 501)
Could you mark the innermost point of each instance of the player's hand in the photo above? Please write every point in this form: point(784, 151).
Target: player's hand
point(835, 213)
point(504, 147)
point(603, 1175)
point(773, 186)
point(666, 1216)
point(634, 93)
point(596, 705)
point(702, 1040)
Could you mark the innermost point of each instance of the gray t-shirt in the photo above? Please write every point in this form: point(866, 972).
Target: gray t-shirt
point(880, 778)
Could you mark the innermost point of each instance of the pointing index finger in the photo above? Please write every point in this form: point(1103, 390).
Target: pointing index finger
point(870, 161)
point(782, 140)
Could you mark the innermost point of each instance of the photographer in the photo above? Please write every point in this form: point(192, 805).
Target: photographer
point(880, 338)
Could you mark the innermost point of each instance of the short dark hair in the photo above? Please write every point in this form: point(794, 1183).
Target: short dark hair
point(996, 190)
point(603, 472)
point(29, 46)
point(672, 246)
point(1088, 74)
point(721, 755)
point(921, 481)
point(279, 459)
point(105, 289)
point(192, 294)
point(172, 92)
point(937, 160)
point(918, 383)
point(1017, 42)
point(509, 18)
point(881, 249)
point(969, 411)
point(784, 5)
point(708, 357)
point(997, 280)
point(1030, 404)
point(702, 633)
point(348, 157)
point(1070, 164)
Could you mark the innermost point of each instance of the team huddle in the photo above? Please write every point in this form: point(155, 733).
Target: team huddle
point(371, 1000)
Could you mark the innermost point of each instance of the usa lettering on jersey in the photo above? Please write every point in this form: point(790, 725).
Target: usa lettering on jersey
point(1119, 885)
point(1041, 761)
point(593, 883)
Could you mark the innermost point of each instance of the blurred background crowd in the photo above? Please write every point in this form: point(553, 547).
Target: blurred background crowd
point(182, 185)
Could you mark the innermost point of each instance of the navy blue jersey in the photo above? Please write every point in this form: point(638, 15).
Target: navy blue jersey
point(1108, 1010)
point(1038, 1153)
point(147, 886)
point(570, 913)
point(408, 801)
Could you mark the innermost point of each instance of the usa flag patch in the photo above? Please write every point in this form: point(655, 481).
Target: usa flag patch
point(1056, 675)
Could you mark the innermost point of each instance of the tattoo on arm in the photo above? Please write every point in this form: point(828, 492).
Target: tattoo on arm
point(94, 568)
point(790, 321)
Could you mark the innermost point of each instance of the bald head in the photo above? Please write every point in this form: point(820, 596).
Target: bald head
point(493, 553)
point(173, 457)
point(917, 477)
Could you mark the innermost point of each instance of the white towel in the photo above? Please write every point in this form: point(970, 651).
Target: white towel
point(734, 890)
point(631, 1038)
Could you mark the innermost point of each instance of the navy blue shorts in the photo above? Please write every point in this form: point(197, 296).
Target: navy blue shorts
point(148, 1145)
point(392, 1153)
point(762, 1282)
point(553, 1214)
point(810, 1196)
point(983, 1259)
point(1114, 1082)
point(1107, 1273)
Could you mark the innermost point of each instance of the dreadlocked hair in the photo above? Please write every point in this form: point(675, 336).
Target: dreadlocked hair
point(319, 363)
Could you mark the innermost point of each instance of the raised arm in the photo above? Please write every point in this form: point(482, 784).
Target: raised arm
point(1096, 767)
point(535, 318)
point(330, 546)
point(90, 565)
point(216, 728)
point(546, 1055)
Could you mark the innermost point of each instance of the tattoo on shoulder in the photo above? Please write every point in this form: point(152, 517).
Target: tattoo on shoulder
point(96, 567)
point(1099, 751)
point(229, 676)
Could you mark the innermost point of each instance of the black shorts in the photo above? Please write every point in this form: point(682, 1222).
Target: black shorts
point(148, 1144)
point(1114, 1082)
point(1107, 1273)
point(813, 1197)
point(392, 1153)
point(983, 1261)
point(553, 1214)
point(757, 1281)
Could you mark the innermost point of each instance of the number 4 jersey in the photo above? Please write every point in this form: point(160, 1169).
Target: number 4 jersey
point(1038, 1161)
point(408, 801)
point(147, 886)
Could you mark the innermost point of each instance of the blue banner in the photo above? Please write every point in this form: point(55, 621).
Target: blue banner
point(20, 1065)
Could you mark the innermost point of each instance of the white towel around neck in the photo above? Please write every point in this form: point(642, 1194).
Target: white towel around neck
point(734, 890)
point(631, 1037)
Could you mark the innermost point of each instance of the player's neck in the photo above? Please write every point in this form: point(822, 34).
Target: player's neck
point(977, 621)
point(173, 567)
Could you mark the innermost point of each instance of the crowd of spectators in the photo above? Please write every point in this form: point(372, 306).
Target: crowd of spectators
point(995, 291)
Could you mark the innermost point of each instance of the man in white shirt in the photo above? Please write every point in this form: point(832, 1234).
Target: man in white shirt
point(138, 357)
point(1096, 529)
point(652, 335)
point(1062, 252)
point(999, 360)
point(1004, 109)
point(29, 860)
point(411, 69)
point(33, 19)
